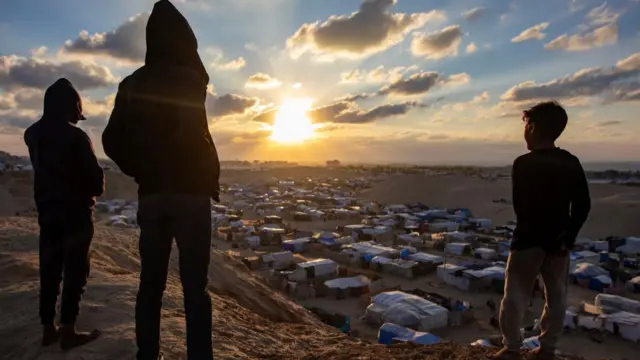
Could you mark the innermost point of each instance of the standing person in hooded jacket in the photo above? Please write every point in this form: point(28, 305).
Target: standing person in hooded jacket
point(67, 179)
point(158, 134)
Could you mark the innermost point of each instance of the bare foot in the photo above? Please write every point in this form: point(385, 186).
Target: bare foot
point(69, 338)
point(50, 335)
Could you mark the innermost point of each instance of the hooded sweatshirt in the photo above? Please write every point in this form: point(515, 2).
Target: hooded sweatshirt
point(158, 131)
point(67, 175)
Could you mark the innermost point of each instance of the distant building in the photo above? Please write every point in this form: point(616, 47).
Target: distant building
point(333, 163)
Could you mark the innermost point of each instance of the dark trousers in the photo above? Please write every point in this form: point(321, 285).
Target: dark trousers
point(65, 242)
point(163, 217)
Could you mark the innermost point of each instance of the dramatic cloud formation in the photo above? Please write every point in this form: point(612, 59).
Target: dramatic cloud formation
point(126, 42)
point(474, 14)
point(21, 98)
point(583, 83)
point(601, 30)
point(354, 115)
point(532, 33)
point(371, 29)
point(21, 107)
point(229, 104)
point(16, 71)
point(377, 75)
point(421, 83)
point(262, 81)
point(438, 44)
point(346, 112)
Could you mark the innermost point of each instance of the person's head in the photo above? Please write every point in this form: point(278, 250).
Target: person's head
point(62, 102)
point(171, 41)
point(544, 123)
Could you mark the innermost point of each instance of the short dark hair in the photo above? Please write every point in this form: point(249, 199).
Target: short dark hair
point(549, 117)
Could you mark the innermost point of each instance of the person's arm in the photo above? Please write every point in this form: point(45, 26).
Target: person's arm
point(580, 202)
point(116, 135)
point(88, 165)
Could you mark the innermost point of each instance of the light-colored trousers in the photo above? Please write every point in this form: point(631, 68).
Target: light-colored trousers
point(523, 267)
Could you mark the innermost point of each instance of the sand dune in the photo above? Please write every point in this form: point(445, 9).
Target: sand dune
point(251, 321)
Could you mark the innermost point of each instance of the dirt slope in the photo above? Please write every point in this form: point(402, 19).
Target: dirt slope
point(251, 321)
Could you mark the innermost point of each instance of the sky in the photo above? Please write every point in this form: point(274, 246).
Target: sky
point(379, 81)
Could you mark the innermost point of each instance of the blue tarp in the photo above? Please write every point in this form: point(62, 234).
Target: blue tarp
point(389, 332)
point(328, 242)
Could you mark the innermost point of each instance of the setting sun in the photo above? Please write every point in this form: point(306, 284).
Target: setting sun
point(291, 123)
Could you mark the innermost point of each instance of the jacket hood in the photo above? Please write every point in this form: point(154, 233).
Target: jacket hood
point(171, 41)
point(62, 102)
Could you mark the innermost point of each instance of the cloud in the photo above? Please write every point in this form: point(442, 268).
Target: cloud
point(420, 83)
point(377, 75)
point(357, 116)
point(603, 14)
point(471, 48)
point(462, 106)
point(219, 62)
point(346, 112)
point(235, 64)
point(229, 104)
point(16, 71)
point(126, 42)
point(599, 37)
point(474, 14)
point(16, 121)
point(371, 29)
point(583, 83)
point(21, 98)
point(532, 33)
point(39, 51)
point(625, 92)
point(21, 107)
point(438, 44)
point(262, 81)
point(600, 30)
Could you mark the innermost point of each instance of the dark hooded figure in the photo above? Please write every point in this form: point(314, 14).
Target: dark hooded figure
point(158, 134)
point(67, 179)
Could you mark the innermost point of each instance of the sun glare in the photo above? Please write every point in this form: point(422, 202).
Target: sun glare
point(291, 123)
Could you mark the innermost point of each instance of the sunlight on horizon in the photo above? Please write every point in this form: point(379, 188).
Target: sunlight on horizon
point(292, 124)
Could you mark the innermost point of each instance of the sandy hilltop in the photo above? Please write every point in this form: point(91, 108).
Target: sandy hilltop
point(251, 320)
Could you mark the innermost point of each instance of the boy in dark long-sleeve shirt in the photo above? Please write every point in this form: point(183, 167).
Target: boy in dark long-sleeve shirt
point(551, 201)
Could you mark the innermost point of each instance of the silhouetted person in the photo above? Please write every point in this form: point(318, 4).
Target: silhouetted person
point(67, 179)
point(551, 201)
point(158, 134)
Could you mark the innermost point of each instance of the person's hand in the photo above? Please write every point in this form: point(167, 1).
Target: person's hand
point(567, 241)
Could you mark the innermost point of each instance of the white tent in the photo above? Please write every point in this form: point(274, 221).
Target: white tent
point(409, 310)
